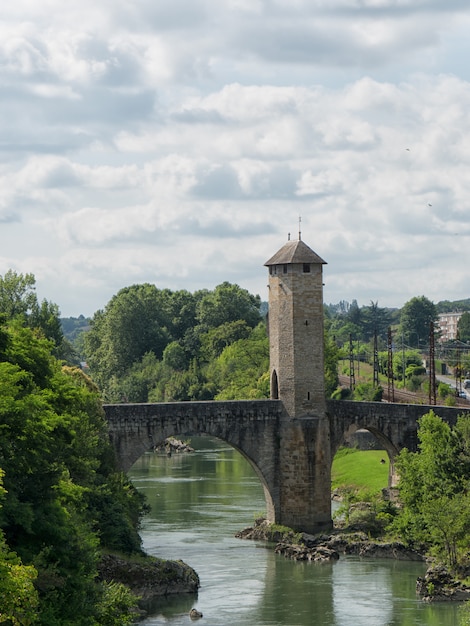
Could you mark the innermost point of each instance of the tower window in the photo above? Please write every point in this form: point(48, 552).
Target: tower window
point(284, 269)
point(306, 268)
point(274, 386)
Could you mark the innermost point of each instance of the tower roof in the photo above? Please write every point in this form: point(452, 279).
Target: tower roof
point(295, 252)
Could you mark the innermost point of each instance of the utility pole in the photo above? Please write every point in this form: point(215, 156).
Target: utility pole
point(352, 379)
point(358, 362)
point(432, 366)
point(403, 357)
point(458, 367)
point(391, 387)
point(376, 361)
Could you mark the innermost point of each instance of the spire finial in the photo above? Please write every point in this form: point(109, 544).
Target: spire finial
point(288, 236)
point(300, 232)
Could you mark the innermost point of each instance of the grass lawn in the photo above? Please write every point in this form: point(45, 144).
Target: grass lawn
point(363, 469)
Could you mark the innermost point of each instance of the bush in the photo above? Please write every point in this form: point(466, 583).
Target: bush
point(444, 390)
point(414, 383)
point(342, 393)
point(117, 605)
point(365, 511)
point(367, 392)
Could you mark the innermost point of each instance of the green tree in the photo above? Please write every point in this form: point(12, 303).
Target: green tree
point(331, 366)
point(216, 339)
point(375, 320)
point(228, 303)
point(174, 356)
point(342, 331)
point(133, 323)
point(17, 294)
point(18, 596)
point(18, 300)
point(434, 489)
point(354, 314)
point(415, 318)
point(241, 371)
point(179, 308)
point(463, 327)
point(58, 467)
point(409, 357)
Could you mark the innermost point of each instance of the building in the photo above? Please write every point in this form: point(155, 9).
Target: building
point(447, 324)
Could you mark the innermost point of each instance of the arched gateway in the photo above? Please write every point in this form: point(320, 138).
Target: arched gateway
point(290, 439)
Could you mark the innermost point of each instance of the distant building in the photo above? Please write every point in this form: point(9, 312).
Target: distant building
point(447, 325)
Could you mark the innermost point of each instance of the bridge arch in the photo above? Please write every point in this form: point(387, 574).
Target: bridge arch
point(394, 425)
point(387, 445)
point(249, 427)
point(270, 509)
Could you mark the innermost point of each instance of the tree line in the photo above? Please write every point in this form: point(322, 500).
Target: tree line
point(154, 345)
point(62, 502)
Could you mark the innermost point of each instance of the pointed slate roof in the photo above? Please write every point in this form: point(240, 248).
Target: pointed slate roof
point(295, 252)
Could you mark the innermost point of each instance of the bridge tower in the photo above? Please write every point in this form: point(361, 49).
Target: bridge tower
point(296, 346)
point(295, 323)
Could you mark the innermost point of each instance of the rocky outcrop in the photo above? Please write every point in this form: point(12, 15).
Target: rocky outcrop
point(149, 577)
point(303, 553)
point(359, 544)
point(302, 546)
point(272, 533)
point(172, 445)
point(438, 585)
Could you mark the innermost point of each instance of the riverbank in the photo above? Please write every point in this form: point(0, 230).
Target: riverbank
point(149, 577)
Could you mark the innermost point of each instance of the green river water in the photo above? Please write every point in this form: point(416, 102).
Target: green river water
point(200, 500)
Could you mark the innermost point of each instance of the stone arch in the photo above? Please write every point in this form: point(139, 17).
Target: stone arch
point(387, 444)
point(250, 427)
point(270, 506)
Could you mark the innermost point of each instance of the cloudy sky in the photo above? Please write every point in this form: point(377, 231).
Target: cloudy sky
point(178, 141)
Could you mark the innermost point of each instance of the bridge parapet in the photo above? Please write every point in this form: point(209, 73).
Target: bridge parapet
point(395, 425)
point(249, 426)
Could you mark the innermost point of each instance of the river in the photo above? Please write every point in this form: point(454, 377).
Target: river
point(200, 500)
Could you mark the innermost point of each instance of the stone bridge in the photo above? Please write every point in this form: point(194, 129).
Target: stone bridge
point(291, 439)
point(284, 451)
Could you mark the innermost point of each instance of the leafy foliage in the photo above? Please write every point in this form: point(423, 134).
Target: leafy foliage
point(151, 344)
point(204, 346)
point(415, 319)
point(18, 596)
point(464, 327)
point(59, 479)
point(241, 370)
point(116, 605)
point(434, 489)
point(360, 323)
point(18, 301)
point(331, 366)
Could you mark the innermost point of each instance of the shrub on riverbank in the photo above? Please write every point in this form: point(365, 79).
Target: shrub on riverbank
point(433, 490)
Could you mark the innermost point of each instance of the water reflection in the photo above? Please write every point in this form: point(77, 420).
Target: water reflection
point(357, 587)
point(199, 501)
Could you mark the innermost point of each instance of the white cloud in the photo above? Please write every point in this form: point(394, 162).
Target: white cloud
point(178, 144)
